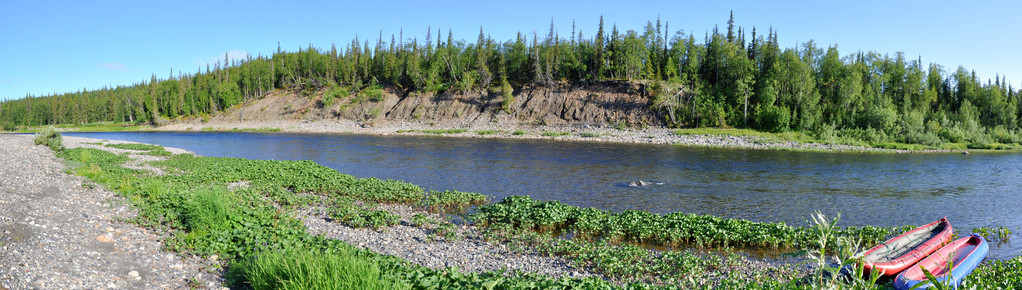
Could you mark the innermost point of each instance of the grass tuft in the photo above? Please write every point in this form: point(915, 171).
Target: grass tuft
point(300, 268)
point(555, 134)
point(444, 131)
point(134, 146)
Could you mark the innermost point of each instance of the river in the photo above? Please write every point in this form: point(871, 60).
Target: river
point(975, 190)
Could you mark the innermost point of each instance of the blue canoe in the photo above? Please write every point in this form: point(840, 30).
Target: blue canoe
point(965, 255)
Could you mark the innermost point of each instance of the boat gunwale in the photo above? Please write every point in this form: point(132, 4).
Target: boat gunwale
point(914, 275)
point(918, 252)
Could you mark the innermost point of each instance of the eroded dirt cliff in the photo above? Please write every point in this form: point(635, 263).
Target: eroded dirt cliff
point(592, 103)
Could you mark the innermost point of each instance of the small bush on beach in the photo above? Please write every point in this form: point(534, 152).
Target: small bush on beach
point(51, 138)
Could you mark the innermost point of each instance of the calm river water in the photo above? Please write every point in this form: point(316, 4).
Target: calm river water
point(976, 190)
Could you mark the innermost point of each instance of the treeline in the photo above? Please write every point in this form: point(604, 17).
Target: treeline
point(731, 78)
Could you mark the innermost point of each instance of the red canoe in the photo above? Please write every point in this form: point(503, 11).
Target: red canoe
point(893, 256)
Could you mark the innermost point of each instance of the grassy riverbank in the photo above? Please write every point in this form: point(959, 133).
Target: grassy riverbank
point(244, 212)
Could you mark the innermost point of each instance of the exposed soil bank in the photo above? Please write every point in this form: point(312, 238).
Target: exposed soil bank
point(605, 111)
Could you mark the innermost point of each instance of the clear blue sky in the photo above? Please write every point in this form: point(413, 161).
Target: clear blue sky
point(55, 46)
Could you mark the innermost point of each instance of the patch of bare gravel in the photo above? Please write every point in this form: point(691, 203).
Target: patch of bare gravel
point(468, 252)
point(59, 231)
point(471, 252)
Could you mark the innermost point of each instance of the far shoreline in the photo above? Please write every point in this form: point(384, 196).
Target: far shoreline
point(604, 133)
point(571, 133)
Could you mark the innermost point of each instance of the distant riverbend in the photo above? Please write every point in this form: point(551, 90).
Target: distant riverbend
point(976, 190)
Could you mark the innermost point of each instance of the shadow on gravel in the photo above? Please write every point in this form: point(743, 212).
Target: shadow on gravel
point(16, 232)
point(40, 192)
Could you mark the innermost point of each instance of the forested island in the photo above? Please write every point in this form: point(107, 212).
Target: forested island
point(730, 78)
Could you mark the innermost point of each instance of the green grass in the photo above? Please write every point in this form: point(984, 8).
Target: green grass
point(444, 131)
point(518, 132)
point(153, 150)
point(134, 146)
point(589, 134)
point(555, 134)
point(262, 130)
point(159, 152)
point(487, 132)
point(310, 269)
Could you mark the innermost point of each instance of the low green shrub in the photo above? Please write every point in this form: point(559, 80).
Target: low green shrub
point(365, 218)
point(373, 93)
point(420, 220)
point(159, 152)
point(453, 200)
point(50, 137)
point(445, 230)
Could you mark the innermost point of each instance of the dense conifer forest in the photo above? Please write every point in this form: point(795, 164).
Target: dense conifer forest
point(728, 77)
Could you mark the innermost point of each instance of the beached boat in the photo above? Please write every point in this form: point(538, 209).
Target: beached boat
point(895, 255)
point(964, 255)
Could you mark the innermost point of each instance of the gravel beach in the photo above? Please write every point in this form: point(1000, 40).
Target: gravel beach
point(59, 231)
